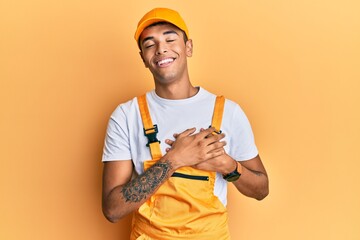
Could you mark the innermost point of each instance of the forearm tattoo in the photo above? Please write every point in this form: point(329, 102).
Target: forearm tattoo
point(145, 184)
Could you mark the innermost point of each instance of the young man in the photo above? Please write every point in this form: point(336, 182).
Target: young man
point(162, 161)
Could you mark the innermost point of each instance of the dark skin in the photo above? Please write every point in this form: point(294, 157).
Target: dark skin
point(165, 54)
point(253, 181)
point(122, 195)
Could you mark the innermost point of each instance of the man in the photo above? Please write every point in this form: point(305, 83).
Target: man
point(173, 174)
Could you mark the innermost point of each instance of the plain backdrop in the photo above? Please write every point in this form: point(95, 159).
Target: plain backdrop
point(293, 66)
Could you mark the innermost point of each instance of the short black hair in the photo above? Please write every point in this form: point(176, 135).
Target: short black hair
point(185, 37)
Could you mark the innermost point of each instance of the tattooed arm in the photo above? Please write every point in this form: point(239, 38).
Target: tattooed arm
point(122, 195)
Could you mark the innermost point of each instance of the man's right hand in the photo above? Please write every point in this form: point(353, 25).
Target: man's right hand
point(190, 149)
point(121, 195)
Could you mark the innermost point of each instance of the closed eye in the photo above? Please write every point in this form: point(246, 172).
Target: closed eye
point(149, 46)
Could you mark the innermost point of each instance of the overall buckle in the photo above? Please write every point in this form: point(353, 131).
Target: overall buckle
point(151, 133)
point(217, 132)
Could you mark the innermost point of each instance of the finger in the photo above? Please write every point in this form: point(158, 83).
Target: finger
point(205, 132)
point(187, 132)
point(169, 142)
point(219, 146)
point(175, 135)
point(167, 149)
point(216, 153)
point(203, 129)
point(214, 138)
point(218, 137)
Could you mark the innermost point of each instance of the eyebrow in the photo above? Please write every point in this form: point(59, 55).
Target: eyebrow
point(165, 33)
point(170, 32)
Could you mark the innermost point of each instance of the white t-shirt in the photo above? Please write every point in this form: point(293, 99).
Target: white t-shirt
point(125, 137)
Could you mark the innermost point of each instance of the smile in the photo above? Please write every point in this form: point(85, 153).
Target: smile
point(165, 62)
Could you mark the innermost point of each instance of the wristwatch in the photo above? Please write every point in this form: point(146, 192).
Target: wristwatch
point(234, 175)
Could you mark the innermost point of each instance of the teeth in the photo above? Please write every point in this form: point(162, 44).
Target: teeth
point(167, 60)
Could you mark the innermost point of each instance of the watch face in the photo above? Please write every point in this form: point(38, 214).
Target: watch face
point(233, 177)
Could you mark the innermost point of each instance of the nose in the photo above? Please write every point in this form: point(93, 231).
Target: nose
point(161, 49)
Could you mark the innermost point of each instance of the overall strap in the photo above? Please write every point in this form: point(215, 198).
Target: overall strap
point(150, 130)
point(218, 113)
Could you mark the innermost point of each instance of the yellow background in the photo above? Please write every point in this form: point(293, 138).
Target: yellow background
point(292, 65)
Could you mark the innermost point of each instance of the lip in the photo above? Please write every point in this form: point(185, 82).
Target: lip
point(164, 62)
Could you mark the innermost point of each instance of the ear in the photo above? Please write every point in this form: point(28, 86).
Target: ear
point(189, 48)
point(142, 58)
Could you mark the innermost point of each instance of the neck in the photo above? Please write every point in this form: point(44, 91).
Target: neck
point(176, 91)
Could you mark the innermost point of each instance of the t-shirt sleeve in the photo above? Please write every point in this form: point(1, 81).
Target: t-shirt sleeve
point(242, 146)
point(116, 145)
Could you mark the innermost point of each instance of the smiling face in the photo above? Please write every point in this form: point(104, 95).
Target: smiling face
point(165, 53)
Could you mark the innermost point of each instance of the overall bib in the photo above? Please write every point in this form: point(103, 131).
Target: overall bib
point(185, 206)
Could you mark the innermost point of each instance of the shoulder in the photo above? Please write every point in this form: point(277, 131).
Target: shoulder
point(230, 108)
point(125, 109)
point(232, 105)
point(228, 102)
point(233, 111)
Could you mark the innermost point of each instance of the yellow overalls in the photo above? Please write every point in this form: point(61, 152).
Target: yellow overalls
point(184, 207)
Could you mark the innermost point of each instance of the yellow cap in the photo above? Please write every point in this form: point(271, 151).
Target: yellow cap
point(160, 15)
